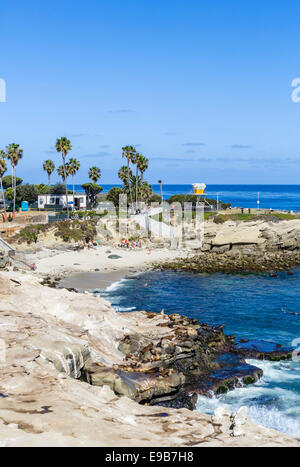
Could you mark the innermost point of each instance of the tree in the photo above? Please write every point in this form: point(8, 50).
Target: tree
point(3, 168)
point(143, 164)
point(25, 192)
point(161, 190)
point(128, 152)
point(8, 181)
point(49, 167)
point(64, 146)
point(73, 167)
point(9, 193)
point(14, 154)
point(63, 172)
point(94, 174)
point(126, 176)
point(92, 190)
point(134, 159)
point(145, 191)
point(114, 194)
point(42, 189)
point(57, 189)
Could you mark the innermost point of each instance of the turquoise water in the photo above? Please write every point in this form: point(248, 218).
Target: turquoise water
point(286, 197)
point(251, 306)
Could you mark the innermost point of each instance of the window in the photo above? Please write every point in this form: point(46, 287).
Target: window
point(81, 200)
point(52, 200)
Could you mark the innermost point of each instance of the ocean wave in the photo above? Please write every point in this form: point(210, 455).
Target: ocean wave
point(124, 308)
point(272, 401)
point(116, 285)
point(278, 372)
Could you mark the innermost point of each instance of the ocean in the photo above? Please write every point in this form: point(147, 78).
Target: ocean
point(251, 306)
point(285, 197)
point(257, 307)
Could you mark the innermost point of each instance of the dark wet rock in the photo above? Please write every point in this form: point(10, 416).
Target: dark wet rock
point(180, 400)
point(262, 350)
point(192, 358)
point(232, 372)
point(236, 261)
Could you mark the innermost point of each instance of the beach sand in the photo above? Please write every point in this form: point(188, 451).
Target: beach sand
point(71, 262)
point(82, 281)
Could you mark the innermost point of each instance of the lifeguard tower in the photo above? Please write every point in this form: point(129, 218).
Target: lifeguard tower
point(199, 189)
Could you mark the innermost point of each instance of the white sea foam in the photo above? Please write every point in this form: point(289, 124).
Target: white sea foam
point(273, 401)
point(124, 308)
point(116, 285)
point(278, 371)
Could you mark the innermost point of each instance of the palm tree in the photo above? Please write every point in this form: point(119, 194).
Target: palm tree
point(49, 167)
point(124, 174)
point(3, 168)
point(161, 190)
point(14, 154)
point(143, 164)
point(64, 146)
point(134, 159)
point(128, 152)
point(63, 172)
point(145, 191)
point(94, 174)
point(73, 166)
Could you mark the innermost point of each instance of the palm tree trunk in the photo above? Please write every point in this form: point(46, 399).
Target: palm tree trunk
point(161, 192)
point(65, 176)
point(3, 195)
point(136, 188)
point(129, 184)
point(14, 185)
point(73, 194)
point(49, 179)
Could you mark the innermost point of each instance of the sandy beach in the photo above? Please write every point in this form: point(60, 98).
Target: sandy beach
point(98, 260)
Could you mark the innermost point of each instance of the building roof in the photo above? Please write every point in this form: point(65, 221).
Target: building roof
point(63, 194)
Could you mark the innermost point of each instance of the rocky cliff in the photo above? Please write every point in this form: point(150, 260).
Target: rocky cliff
point(57, 345)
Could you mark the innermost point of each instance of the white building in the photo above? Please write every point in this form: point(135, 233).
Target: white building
point(61, 201)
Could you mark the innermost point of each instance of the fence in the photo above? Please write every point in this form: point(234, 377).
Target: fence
point(57, 218)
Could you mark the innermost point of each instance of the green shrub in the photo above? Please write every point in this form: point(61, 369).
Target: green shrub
point(76, 231)
point(30, 233)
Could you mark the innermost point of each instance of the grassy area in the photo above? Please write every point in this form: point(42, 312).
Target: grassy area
point(270, 216)
point(221, 218)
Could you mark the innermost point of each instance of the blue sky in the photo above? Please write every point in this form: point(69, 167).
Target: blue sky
point(202, 88)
